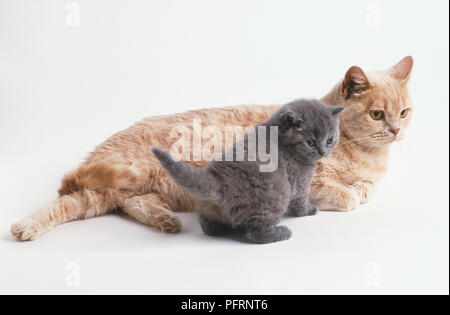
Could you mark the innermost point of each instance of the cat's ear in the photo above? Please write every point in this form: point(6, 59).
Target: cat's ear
point(402, 70)
point(355, 82)
point(336, 110)
point(290, 119)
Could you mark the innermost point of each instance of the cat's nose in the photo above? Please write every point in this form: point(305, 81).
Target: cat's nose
point(395, 131)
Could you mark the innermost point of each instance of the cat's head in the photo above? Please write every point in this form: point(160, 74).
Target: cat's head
point(309, 129)
point(378, 107)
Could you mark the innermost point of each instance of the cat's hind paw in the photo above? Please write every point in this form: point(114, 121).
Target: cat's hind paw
point(168, 223)
point(26, 231)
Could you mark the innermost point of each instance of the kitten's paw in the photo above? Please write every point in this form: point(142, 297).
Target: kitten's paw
point(272, 235)
point(26, 231)
point(168, 223)
point(312, 210)
point(214, 228)
point(300, 210)
point(283, 233)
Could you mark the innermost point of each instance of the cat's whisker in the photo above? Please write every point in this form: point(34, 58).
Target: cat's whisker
point(377, 137)
point(362, 139)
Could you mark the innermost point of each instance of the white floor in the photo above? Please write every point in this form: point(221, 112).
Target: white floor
point(396, 244)
point(65, 88)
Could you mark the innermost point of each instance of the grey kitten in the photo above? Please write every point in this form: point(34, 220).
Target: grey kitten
point(235, 196)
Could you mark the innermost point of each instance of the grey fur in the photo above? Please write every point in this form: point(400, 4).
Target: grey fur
point(234, 196)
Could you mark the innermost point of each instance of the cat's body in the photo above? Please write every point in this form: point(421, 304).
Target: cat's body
point(123, 173)
point(238, 195)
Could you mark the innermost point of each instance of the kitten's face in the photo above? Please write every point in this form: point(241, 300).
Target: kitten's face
point(310, 130)
point(378, 107)
point(315, 143)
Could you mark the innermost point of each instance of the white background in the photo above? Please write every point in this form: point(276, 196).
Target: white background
point(65, 88)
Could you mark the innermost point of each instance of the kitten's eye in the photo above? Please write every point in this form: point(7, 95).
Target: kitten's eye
point(330, 140)
point(404, 113)
point(311, 143)
point(376, 114)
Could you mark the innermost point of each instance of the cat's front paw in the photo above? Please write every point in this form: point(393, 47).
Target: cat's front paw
point(365, 190)
point(26, 231)
point(350, 200)
point(336, 197)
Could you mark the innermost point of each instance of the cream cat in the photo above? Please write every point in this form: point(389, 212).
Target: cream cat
point(123, 173)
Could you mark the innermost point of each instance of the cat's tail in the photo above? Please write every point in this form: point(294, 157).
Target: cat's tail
point(200, 183)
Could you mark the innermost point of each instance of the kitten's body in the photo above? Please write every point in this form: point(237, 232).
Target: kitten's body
point(238, 195)
point(122, 172)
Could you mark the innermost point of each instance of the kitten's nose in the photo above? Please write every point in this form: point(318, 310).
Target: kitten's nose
point(395, 131)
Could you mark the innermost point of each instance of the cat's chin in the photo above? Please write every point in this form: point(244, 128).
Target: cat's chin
point(387, 143)
point(399, 138)
point(396, 139)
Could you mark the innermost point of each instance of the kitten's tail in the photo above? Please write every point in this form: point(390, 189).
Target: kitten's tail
point(200, 183)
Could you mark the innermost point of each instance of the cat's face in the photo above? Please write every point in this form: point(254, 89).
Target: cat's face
point(378, 107)
point(310, 129)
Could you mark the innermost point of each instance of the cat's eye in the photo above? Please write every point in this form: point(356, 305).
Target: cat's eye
point(404, 113)
point(311, 143)
point(376, 114)
point(330, 140)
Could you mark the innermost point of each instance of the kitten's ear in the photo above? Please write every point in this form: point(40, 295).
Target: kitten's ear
point(355, 82)
point(336, 110)
point(402, 70)
point(290, 119)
